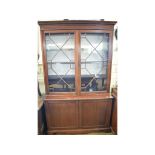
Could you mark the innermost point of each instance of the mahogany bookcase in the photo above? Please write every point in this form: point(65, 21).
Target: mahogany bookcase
point(77, 58)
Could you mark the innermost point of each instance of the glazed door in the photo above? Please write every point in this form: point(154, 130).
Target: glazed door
point(59, 61)
point(95, 60)
point(77, 62)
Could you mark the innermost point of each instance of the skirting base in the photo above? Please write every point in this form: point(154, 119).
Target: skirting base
point(78, 131)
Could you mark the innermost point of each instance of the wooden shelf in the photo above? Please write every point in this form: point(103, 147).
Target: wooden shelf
point(81, 97)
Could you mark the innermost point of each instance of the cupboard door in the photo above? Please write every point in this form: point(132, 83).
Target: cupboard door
point(95, 114)
point(61, 114)
point(94, 61)
point(60, 61)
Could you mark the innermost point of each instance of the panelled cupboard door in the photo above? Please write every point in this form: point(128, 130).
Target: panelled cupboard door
point(95, 114)
point(61, 114)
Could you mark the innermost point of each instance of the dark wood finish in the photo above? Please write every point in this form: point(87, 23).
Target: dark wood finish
point(86, 96)
point(61, 114)
point(75, 116)
point(78, 131)
point(76, 25)
point(77, 63)
point(77, 112)
point(95, 114)
point(114, 111)
point(77, 22)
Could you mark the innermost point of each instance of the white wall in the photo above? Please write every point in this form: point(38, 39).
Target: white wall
point(114, 62)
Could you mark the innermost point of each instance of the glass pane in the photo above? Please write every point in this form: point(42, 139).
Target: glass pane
point(60, 61)
point(94, 61)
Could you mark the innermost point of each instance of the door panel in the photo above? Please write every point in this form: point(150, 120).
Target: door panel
point(95, 114)
point(61, 114)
